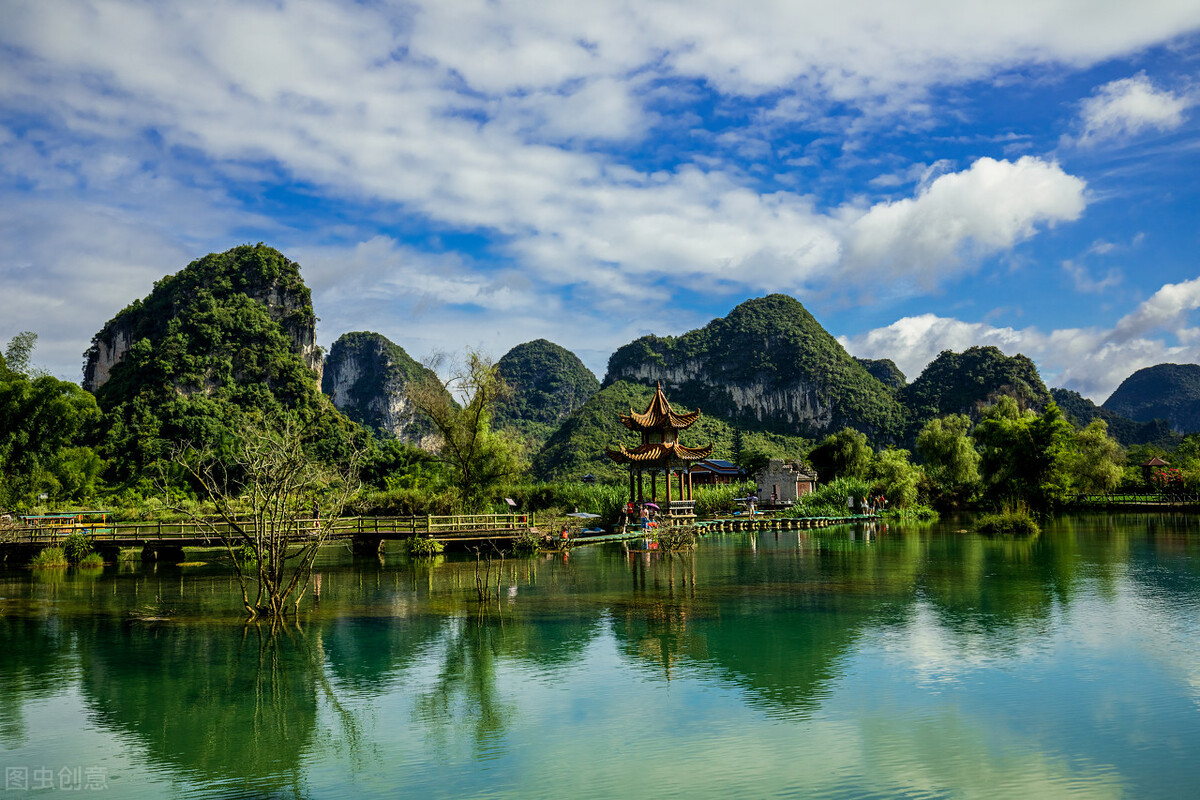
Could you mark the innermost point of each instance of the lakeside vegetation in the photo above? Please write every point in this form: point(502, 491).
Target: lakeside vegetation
point(227, 344)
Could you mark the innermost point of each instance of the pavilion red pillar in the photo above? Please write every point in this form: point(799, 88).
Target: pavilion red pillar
point(668, 482)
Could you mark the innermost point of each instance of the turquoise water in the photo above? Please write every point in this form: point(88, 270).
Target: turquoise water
point(911, 661)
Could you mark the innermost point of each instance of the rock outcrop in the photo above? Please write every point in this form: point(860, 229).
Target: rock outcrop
point(768, 365)
point(367, 378)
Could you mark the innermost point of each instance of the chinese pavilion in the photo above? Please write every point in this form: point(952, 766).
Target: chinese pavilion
point(660, 451)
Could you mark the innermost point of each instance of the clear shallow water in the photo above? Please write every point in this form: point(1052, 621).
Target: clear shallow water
point(917, 663)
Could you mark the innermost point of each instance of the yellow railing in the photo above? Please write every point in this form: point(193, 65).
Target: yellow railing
point(341, 528)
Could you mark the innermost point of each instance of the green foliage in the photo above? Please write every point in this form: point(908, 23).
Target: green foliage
point(224, 336)
point(18, 353)
point(841, 455)
point(1165, 391)
point(896, 478)
point(772, 342)
point(712, 501)
point(75, 547)
point(1024, 455)
point(1081, 412)
point(1010, 521)
point(885, 371)
point(831, 499)
point(546, 384)
point(960, 383)
point(421, 547)
point(478, 457)
point(1093, 460)
point(46, 429)
point(91, 561)
point(49, 558)
point(527, 542)
point(951, 460)
point(607, 500)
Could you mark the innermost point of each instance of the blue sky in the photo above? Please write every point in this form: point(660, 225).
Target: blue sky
point(921, 175)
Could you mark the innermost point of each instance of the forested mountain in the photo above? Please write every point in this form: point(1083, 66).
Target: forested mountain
point(231, 331)
point(546, 382)
point(1164, 391)
point(957, 383)
point(885, 371)
point(367, 378)
point(1080, 411)
point(768, 366)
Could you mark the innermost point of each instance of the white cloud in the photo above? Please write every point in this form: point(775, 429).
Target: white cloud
point(985, 209)
point(1092, 361)
point(1126, 107)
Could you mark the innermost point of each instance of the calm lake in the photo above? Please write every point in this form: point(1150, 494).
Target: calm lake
point(905, 661)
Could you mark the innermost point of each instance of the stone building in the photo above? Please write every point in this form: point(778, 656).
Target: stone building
point(783, 483)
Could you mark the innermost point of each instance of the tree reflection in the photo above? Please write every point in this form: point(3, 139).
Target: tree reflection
point(214, 703)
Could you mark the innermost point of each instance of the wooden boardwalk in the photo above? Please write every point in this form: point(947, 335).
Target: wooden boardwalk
point(459, 527)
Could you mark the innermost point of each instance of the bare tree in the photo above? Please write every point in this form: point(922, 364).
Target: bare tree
point(275, 505)
point(479, 456)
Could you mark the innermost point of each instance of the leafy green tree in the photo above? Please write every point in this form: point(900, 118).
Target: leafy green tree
point(896, 478)
point(951, 460)
point(1024, 454)
point(46, 426)
point(1094, 460)
point(17, 354)
point(841, 455)
point(479, 457)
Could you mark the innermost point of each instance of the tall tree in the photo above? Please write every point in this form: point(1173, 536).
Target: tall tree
point(479, 457)
point(1024, 454)
point(845, 454)
point(951, 460)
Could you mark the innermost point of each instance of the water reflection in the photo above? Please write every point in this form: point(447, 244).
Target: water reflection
point(929, 661)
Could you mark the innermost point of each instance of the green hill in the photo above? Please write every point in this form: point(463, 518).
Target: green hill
point(885, 371)
point(231, 331)
point(1081, 411)
point(768, 366)
point(367, 377)
point(546, 384)
point(1165, 391)
point(957, 383)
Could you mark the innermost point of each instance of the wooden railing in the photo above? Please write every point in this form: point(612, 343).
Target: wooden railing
point(1138, 499)
point(342, 528)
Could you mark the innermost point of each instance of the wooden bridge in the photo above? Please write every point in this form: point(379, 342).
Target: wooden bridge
point(365, 533)
point(1177, 501)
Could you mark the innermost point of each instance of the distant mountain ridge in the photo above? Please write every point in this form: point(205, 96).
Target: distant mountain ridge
point(1164, 391)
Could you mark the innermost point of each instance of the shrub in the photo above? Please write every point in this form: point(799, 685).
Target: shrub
point(49, 557)
point(1012, 521)
point(712, 500)
point(75, 547)
point(420, 547)
point(526, 542)
point(91, 561)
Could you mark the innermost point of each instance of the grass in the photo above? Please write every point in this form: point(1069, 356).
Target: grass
point(49, 558)
point(1010, 521)
point(91, 561)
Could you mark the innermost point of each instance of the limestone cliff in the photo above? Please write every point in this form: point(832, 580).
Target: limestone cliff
point(769, 365)
point(366, 377)
point(201, 314)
